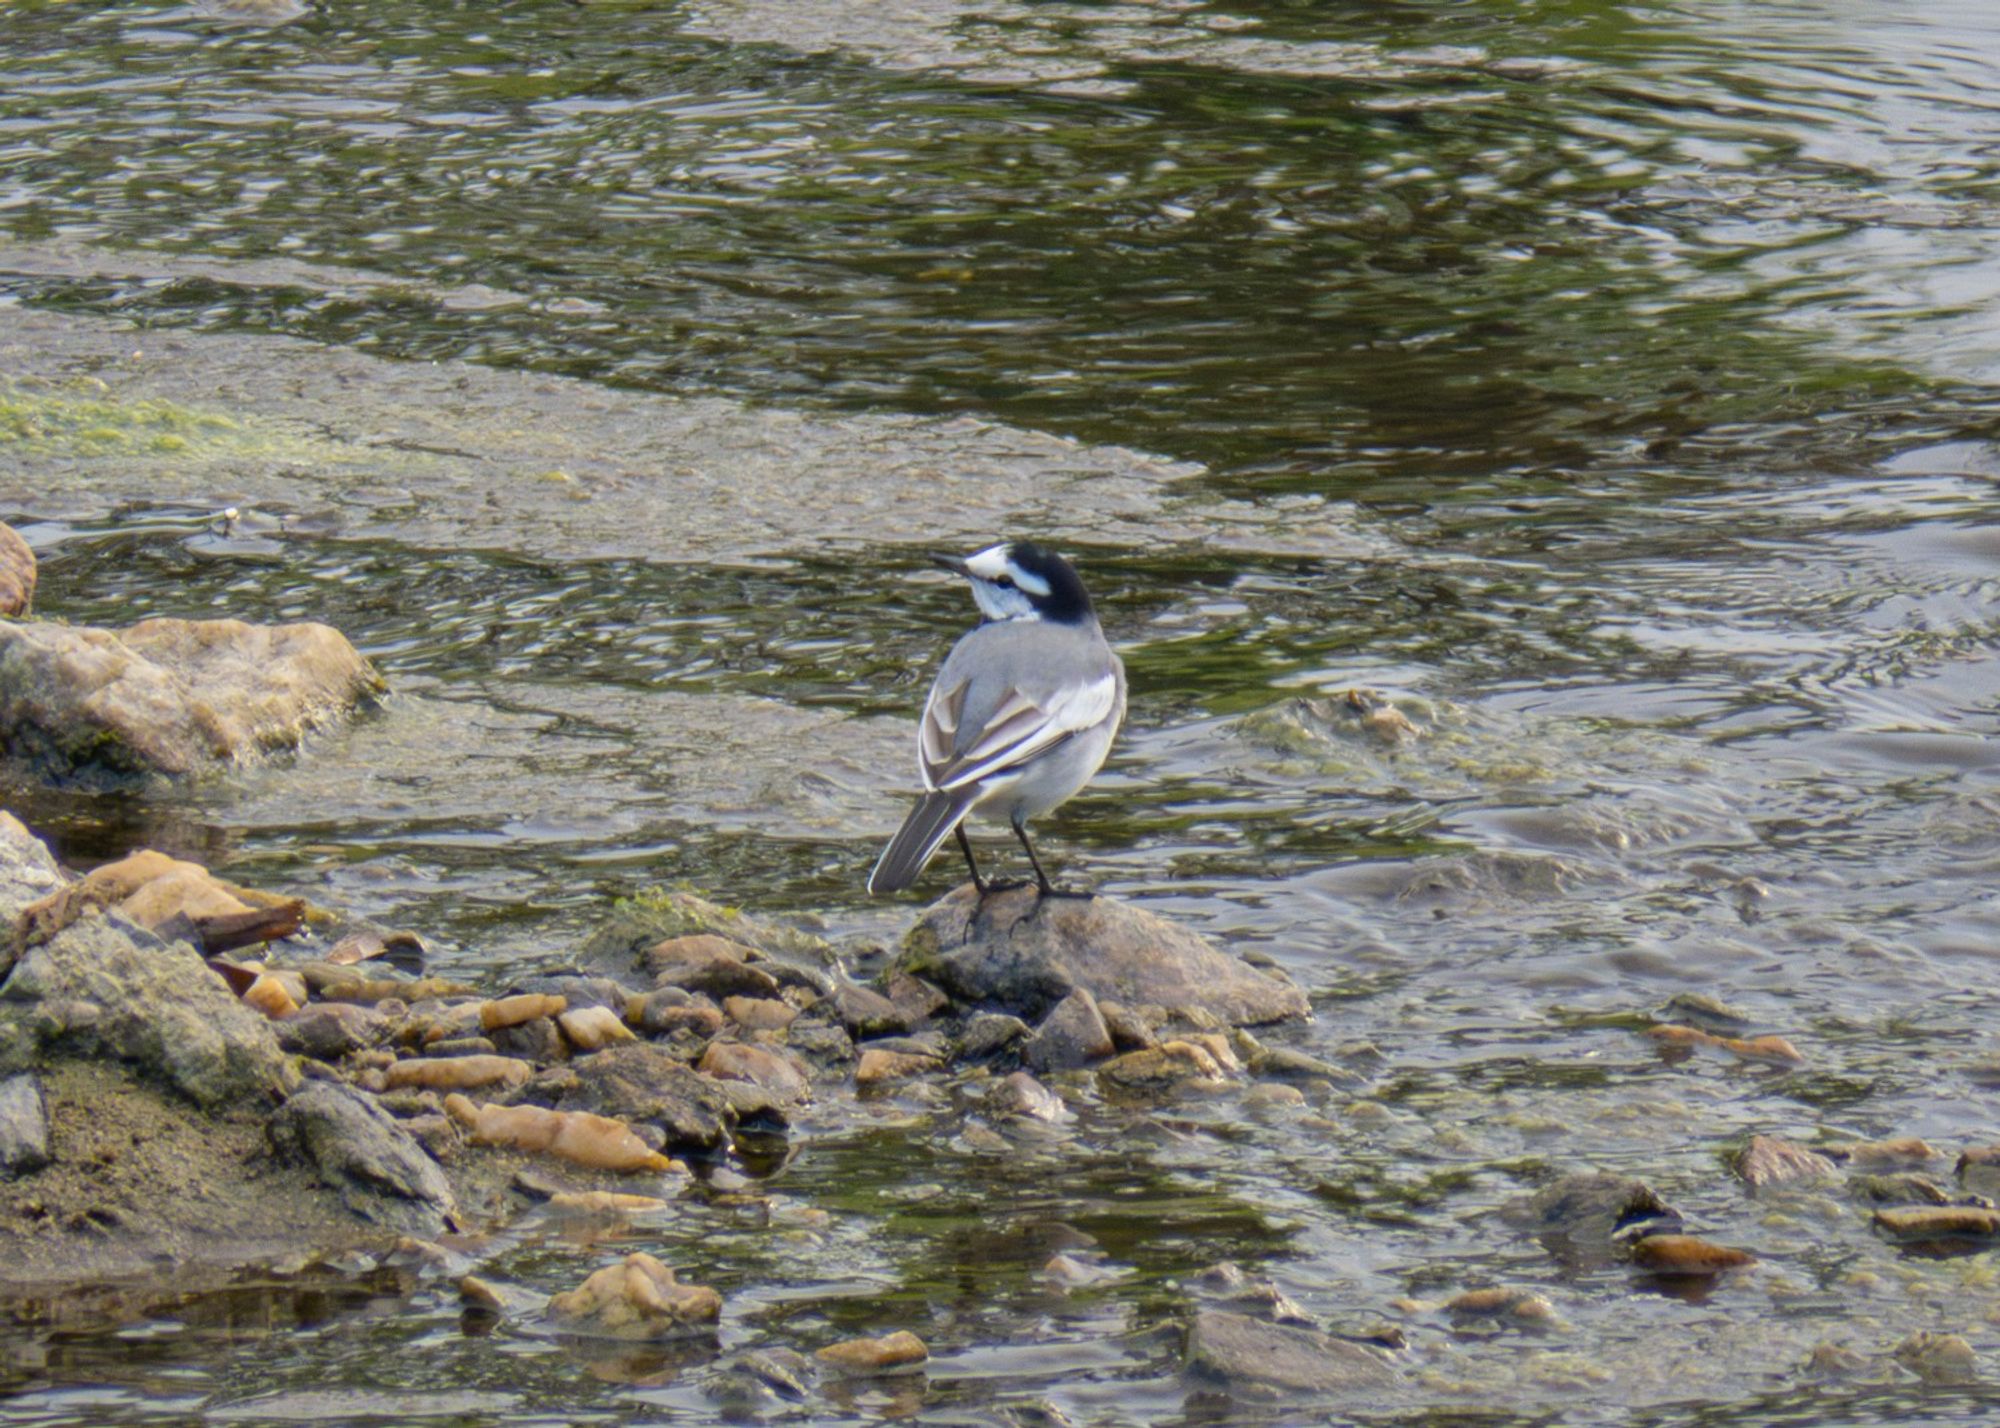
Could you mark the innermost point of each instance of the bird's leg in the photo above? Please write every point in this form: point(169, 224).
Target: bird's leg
point(965, 847)
point(1021, 832)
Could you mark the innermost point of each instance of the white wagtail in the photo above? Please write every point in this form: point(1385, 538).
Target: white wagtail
point(1022, 713)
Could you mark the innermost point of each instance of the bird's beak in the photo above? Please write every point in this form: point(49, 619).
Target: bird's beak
point(954, 563)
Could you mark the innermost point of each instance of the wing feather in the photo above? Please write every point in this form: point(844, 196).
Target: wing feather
point(1019, 729)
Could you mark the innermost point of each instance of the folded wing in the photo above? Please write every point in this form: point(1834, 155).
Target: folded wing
point(1020, 727)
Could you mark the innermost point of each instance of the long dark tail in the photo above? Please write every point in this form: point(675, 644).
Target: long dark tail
point(928, 825)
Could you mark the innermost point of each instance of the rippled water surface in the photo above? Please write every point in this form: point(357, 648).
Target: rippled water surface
point(1609, 386)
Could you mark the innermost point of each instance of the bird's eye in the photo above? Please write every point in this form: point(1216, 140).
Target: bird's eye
point(1005, 582)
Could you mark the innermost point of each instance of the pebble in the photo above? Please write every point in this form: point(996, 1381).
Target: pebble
point(638, 1298)
point(900, 1352)
point(864, 1012)
point(672, 1009)
point(1687, 1256)
point(603, 1202)
point(878, 1066)
point(1769, 1160)
point(270, 996)
point(1270, 1096)
point(593, 1028)
point(707, 963)
point(918, 1000)
point(776, 1073)
point(24, 1125)
point(457, 1073)
point(462, 1046)
point(1900, 1154)
point(512, 1011)
point(1239, 1350)
point(537, 1039)
point(1904, 1189)
point(1168, 1064)
point(327, 1031)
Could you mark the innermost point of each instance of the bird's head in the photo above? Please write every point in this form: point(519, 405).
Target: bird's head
point(1019, 580)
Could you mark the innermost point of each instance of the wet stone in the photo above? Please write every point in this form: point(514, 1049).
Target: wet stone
point(462, 1046)
point(917, 999)
point(670, 1009)
point(1021, 1096)
point(779, 1075)
point(1019, 952)
point(820, 1042)
point(1904, 1153)
point(1923, 1223)
point(1161, 1067)
point(592, 1028)
point(759, 1013)
point(1280, 1360)
point(1687, 1256)
point(1978, 1169)
point(512, 1011)
point(24, 1125)
point(1770, 1160)
point(1523, 1306)
point(1227, 1282)
point(1072, 1034)
point(1132, 1028)
point(578, 989)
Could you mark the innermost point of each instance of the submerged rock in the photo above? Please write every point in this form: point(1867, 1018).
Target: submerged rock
point(1769, 1160)
point(1939, 1223)
point(1023, 953)
point(1687, 1256)
point(1279, 1359)
point(638, 1298)
point(359, 1149)
point(642, 1084)
point(173, 697)
point(17, 573)
point(1938, 1358)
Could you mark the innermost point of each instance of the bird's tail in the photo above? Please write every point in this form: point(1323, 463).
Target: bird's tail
point(928, 825)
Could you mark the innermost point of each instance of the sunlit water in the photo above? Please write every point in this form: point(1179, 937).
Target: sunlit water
point(1607, 386)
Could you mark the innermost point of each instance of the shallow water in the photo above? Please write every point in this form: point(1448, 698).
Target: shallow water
point(1610, 387)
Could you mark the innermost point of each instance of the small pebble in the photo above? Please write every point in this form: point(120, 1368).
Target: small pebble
point(900, 1352)
point(1687, 1256)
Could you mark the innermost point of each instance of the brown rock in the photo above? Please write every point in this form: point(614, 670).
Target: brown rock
point(672, 1009)
point(877, 1067)
point(1522, 1304)
point(1900, 1154)
point(1687, 1256)
point(774, 1072)
point(172, 697)
point(865, 1013)
point(917, 999)
point(1939, 1222)
point(269, 995)
point(512, 1011)
point(1021, 1095)
point(599, 1142)
point(637, 1298)
point(1938, 1358)
point(328, 1031)
point(900, 1352)
point(1165, 1065)
point(1769, 1160)
point(707, 963)
point(759, 1013)
point(457, 1073)
point(1978, 1169)
point(17, 573)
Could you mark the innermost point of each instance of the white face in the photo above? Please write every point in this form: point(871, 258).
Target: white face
point(1001, 587)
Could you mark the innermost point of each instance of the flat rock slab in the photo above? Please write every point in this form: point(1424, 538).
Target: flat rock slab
point(172, 697)
point(1024, 953)
point(1279, 1359)
point(360, 1150)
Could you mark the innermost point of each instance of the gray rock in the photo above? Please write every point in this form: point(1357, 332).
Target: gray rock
point(327, 1031)
point(706, 963)
point(578, 990)
point(537, 1039)
point(1072, 1034)
point(640, 1083)
point(1023, 953)
point(1278, 1360)
point(382, 1173)
point(105, 987)
point(172, 697)
point(821, 1042)
point(24, 1126)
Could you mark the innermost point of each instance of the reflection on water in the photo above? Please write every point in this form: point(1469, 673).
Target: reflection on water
point(1601, 383)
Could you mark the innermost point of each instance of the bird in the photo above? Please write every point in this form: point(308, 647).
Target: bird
point(1021, 715)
